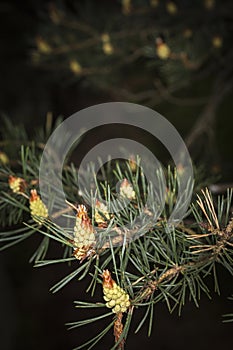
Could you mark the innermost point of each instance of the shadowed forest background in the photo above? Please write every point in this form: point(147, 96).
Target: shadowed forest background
point(63, 56)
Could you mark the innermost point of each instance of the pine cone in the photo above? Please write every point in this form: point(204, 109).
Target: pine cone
point(17, 184)
point(114, 295)
point(37, 207)
point(84, 236)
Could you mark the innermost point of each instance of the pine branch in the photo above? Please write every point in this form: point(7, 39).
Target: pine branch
point(142, 259)
point(224, 239)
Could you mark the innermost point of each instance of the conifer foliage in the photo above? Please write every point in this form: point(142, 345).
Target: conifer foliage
point(168, 263)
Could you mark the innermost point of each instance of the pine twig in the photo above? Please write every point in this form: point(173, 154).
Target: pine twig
point(224, 237)
point(117, 331)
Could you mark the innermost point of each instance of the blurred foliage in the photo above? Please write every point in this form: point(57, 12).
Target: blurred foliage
point(141, 50)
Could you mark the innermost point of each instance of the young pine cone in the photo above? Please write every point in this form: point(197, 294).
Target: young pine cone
point(84, 236)
point(115, 297)
point(16, 184)
point(39, 212)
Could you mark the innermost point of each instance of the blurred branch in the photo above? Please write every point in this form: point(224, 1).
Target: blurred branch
point(205, 122)
point(166, 94)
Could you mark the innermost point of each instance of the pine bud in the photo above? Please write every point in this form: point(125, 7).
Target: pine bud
point(154, 3)
point(132, 163)
point(217, 42)
point(162, 49)
point(187, 33)
point(84, 236)
point(3, 158)
point(126, 7)
point(108, 49)
point(43, 46)
point(126, 190)
point(171, 7)
point(116, 298)
point(39, 212)
point(75, 67)
point(54, 13)
point(209, 4)
point(101, 213)
point(17, 184)
point(107, 46)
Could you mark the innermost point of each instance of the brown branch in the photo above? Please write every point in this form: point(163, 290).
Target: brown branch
point(168, 275)
point(78, 25)
point(224, 238)
point(206, 121)
point(166, 94)
point(125, 235)
point(117, 331)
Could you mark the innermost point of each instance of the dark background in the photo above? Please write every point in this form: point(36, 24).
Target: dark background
point(31, 317)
